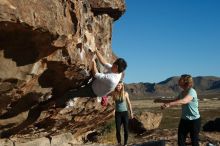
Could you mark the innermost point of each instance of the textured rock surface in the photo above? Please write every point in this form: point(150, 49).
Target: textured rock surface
point(45, 49)
point(145, 121)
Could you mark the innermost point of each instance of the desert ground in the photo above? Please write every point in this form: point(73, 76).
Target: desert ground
point(209, 110)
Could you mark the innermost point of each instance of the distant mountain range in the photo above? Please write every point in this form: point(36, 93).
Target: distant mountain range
point(206, 87)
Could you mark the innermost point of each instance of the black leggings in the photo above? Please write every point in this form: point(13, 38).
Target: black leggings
point(189, 126)
point(121, 118)
point(85, 91)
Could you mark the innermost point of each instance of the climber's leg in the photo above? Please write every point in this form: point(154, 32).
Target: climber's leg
point(85, 91)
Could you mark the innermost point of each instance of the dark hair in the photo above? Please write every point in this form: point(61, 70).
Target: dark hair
point(121, 63)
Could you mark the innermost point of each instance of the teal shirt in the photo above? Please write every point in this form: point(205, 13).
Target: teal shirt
point(120, 106)
point(190, 111)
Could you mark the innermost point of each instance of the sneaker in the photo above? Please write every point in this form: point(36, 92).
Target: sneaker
point(99, 99)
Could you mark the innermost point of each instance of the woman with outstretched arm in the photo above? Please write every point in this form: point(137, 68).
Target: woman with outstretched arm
point(190, 119)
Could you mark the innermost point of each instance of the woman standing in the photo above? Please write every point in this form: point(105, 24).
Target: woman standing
point(190, 119)
point(122, 104)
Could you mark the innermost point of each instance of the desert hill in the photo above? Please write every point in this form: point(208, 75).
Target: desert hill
point(206, 86)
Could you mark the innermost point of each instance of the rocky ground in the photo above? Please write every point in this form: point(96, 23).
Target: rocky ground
point(105, 135)
point(167, 130)
point(170, 137)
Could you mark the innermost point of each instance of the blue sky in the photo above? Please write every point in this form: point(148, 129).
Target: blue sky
point(164, 38)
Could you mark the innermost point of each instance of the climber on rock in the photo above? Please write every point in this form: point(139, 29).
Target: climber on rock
point(102, 84)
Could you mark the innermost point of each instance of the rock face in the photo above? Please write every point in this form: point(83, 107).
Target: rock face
point(46, 48)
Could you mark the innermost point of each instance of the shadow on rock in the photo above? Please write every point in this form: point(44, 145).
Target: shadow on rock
point(22, 105)
point(29, 102)
point(26, 52)
point(136, 126)
point(33, 115)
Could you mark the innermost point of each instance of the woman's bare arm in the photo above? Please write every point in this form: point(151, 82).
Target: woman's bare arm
point(129, 104)
point(185, 100)
point(164, 100)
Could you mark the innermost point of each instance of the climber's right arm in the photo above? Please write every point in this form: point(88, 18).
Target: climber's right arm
point(100, 57)
point(94, 69)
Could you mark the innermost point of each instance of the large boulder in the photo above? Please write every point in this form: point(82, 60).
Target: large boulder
point(145, 121)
